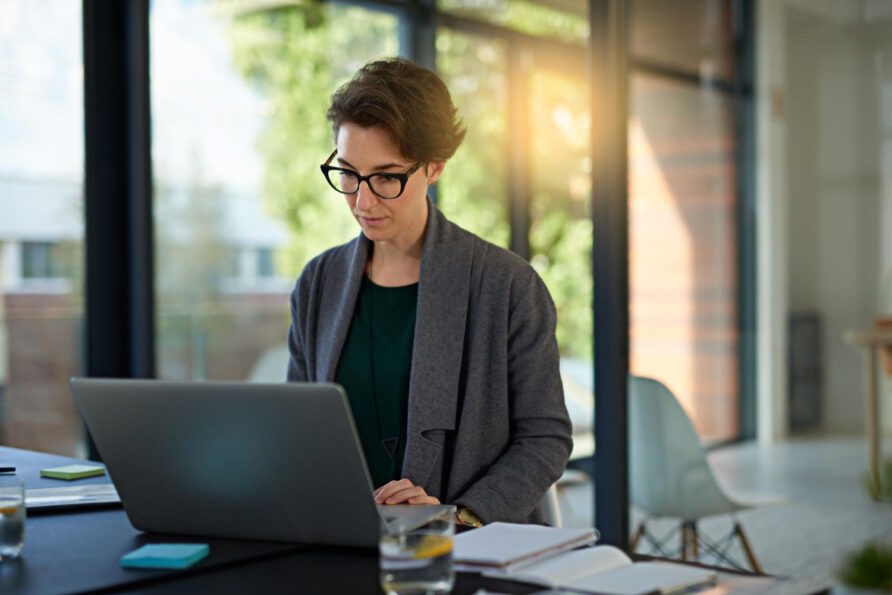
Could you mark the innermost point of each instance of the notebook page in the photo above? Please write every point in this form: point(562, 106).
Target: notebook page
point(643, 577)
point(568, 566)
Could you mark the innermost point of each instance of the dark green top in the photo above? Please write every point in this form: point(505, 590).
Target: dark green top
point(379, 347)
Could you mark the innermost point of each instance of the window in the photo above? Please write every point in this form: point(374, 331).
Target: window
point(474, 188)
point(36, 263)
point(47, 260)
point(265, 265)
point(41, 227)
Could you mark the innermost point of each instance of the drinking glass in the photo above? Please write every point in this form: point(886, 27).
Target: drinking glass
point(418, 560)
point(12, 517)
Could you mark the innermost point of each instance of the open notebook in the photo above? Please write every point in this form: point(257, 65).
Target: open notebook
point(606, 569)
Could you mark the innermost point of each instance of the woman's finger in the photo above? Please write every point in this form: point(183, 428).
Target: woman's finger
point(423, 500)
point(403, 495)
point(378, 491)
point(391, 488)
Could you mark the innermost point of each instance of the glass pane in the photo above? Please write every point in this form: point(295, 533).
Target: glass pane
point(561, 231)
point(566, 21)
point(683, 248)
point(41, 223)
point(473, 191)
point(693, 35)
point(238, 119)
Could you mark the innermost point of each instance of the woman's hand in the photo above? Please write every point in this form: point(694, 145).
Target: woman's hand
point(401, 491)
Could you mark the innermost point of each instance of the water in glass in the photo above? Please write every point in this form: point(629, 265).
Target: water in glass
point(419, 561)
point(12, 521)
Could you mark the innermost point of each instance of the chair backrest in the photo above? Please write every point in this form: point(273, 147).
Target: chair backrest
point(550, 507)
point(669, 474)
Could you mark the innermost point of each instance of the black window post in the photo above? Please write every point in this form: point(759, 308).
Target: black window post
point(744, 19)
point(417, 33)
point(119, 296)
point(608, 59)
point(418, 41)
point(518, 149)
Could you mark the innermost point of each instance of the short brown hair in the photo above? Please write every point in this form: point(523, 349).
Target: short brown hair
point(408, 101)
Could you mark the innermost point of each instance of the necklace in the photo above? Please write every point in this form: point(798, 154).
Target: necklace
point(389, 443)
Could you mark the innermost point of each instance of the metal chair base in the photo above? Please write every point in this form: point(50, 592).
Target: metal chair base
point(691, 543)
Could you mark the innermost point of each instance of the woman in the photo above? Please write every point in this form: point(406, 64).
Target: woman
point(443, 342)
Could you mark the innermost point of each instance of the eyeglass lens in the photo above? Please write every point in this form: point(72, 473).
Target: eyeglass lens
point(382, 184)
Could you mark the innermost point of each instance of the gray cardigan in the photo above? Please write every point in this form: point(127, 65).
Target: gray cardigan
point(487, 426)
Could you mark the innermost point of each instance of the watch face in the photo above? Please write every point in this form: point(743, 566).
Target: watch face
point(468, 518)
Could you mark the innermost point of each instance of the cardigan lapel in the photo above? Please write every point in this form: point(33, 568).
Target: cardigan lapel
point(334, 319)
point(438, 344)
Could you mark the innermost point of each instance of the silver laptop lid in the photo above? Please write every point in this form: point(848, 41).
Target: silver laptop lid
point(275, 462)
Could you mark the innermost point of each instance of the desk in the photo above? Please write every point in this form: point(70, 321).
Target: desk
point(873, 341)
point(77, 551)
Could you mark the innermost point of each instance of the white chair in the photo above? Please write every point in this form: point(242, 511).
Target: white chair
point(550, 508)
point(670, 477)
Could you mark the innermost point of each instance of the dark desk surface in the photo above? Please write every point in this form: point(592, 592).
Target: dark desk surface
point(29, 463)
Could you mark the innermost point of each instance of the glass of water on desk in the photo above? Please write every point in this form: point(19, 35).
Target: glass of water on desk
point(418, 560)
point(12, 517)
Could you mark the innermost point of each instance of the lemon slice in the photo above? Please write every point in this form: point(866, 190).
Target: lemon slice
point(432, 546)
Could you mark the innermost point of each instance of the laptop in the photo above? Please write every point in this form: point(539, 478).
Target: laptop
point(274, 462)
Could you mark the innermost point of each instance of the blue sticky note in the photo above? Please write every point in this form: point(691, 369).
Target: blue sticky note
point(166, 555)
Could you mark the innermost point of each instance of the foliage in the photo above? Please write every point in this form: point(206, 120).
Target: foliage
point(870, 567)
point(531, 18)
point(473, 191)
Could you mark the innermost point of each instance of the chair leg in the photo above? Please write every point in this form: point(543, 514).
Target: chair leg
point(747, 549)
point(684, 540)
point(637, 537)
point(695, 541)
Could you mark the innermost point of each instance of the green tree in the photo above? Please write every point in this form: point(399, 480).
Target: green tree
point(473, 190)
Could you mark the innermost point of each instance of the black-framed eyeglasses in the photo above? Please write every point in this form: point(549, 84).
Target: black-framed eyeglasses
point(385, 185)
